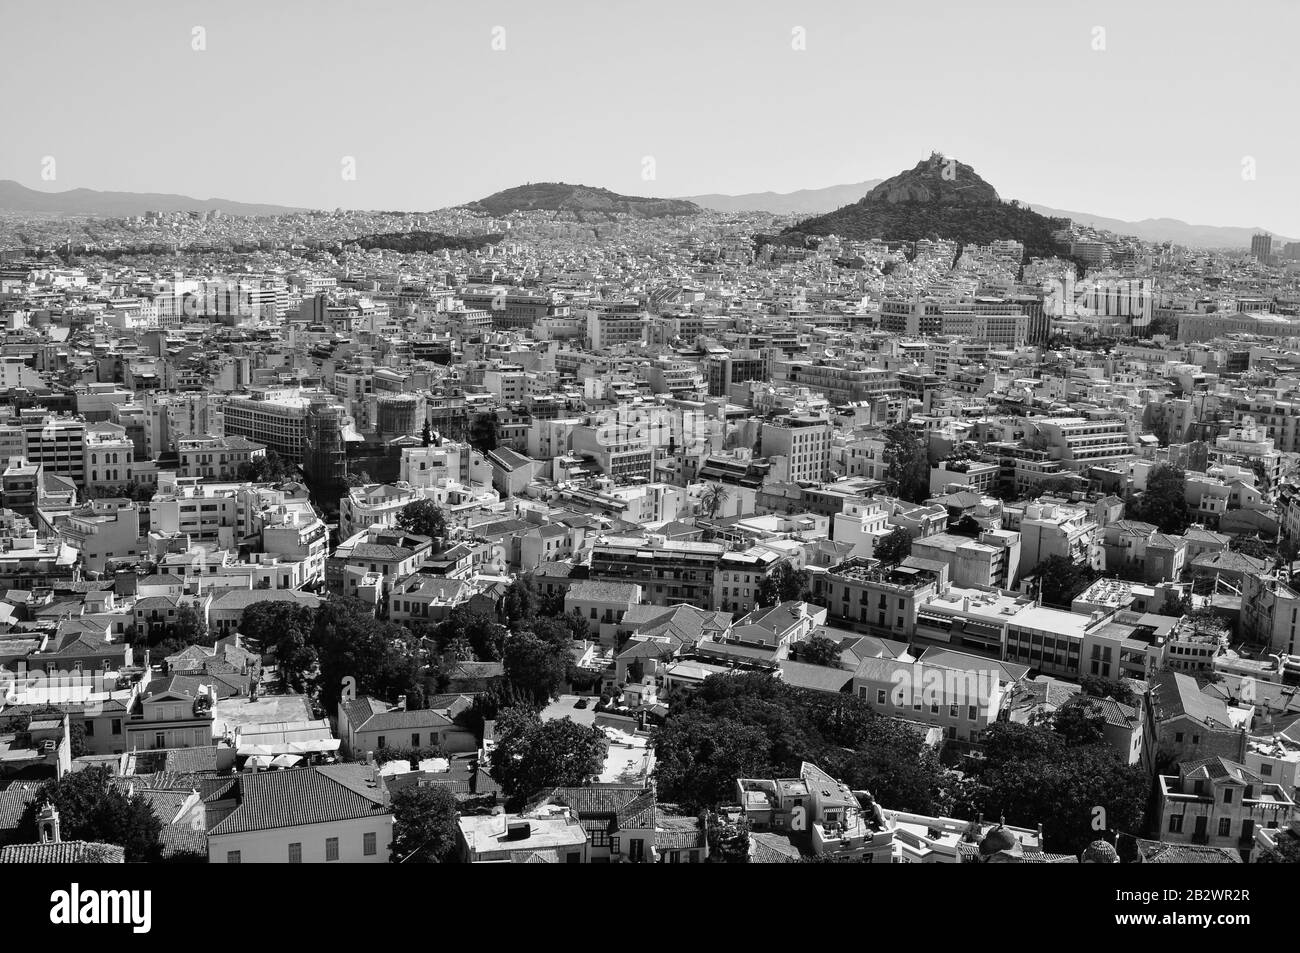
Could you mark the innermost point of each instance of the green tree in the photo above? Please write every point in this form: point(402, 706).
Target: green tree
point(1060, 580)
point(1080, 722)
point(892, 762)
point(713, 499)
point(532, 755)
point(483, 432)
point(907, 465)
point(1252, 546)
point(424, 825)
point(820, 650)
point(426, 435)
point(698, 758)
point(369, 656)
point(1098, 686)
point(536, 667)
point(1286, 851)
point(422, 518)
point(785, 583)
point(92, 808)
point(190, 627)
point(269, 468)
point(1164, 501)
point(893, 547)
point(1062, 791)
point(486, 636)
point(521, 600)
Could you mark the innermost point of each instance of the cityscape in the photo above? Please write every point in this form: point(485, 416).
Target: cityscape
point(630, 521)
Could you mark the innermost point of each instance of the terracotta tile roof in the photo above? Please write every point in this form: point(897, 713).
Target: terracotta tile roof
point(299, 796)
point(63, 852)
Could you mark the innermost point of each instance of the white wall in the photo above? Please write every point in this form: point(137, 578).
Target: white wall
point(272, 847)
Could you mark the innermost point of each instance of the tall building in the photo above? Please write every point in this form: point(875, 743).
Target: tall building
point(275, 417)
point(55, 443)
point(1261, 246)
point(324, 459)
point(805, 443)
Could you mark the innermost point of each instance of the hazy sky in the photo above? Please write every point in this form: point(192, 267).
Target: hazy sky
point(1158, 123)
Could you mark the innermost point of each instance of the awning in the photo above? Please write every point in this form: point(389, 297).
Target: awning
point(315, 746)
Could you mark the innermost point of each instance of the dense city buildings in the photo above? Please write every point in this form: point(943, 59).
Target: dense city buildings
point(568, 526)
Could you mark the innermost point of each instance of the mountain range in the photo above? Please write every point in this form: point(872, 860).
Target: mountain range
point(559, 196)
point(16, 197)
point(802, 202)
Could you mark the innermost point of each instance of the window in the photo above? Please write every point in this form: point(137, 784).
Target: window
point(232, 856)
point(368, 847)
point(381, 742)
point(90, 728)
point(1265, 769)
point(1178, 737)
point(1175, 823)
point(117, 726)
point(1227, 795)
point(970, 713)
point(1196, 739)
point(331, 848)
point(295, 853)
point(415, 739)
point(1225, 826)
point(880, 696)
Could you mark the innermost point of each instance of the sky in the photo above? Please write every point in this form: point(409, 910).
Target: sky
point(1130, 110)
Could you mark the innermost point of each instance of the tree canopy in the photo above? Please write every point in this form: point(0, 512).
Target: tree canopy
point(92, 808)
point(1060, 580)
point(1164, 501)
point(738, 726)
point(536, 666)
point(1077, 791)
point(424, 824)
point(783, 584)
point(907, 464)
point(893, 547)
point(532, 755)
point(423, 518)
point(820, 650)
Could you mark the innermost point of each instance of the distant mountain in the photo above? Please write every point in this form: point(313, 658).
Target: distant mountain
point(15, 197)
point(1166, 230)
point(562, 197)
point(802, 202)
point(938, 198)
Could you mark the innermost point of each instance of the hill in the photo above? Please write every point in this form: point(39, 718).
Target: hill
point(938, 198)
point(15, 197)
point(800, 202)
point(562, 197)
